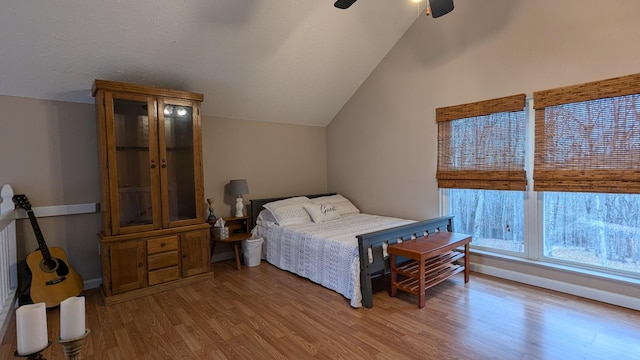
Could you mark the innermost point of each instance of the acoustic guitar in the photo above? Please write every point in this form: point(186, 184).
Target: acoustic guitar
point(52, 279)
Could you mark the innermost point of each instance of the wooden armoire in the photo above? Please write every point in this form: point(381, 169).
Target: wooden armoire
point(155, 236)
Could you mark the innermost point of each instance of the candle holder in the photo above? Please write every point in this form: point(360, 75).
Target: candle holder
point(34, 356)
point(72, 347)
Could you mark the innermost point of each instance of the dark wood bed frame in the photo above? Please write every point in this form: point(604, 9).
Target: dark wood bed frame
point(374, 241)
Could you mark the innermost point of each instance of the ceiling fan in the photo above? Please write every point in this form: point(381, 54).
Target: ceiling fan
point(435, 8)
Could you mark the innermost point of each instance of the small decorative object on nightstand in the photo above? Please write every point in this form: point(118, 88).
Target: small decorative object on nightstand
point(211, 217)
point(239, 188)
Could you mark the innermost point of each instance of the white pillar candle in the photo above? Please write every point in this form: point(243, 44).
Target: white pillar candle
point(31, 326)
point(72, 318)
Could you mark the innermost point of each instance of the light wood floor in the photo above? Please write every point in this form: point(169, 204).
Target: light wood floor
point(266, 313)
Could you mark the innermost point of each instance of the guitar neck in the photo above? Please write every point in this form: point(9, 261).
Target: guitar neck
point(36, 229)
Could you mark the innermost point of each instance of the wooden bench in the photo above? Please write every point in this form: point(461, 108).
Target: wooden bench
point(432, 259)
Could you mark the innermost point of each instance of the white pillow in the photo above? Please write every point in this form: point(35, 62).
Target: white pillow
point(342, 204)
point(265, 216)
point(322, 213)
point(290, 211)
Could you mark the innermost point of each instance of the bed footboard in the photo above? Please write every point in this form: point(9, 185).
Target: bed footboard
point(372, 249)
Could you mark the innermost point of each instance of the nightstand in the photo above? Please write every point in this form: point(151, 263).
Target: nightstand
point(238, 231)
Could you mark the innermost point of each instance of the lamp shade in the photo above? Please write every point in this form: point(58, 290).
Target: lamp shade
point(238, 187)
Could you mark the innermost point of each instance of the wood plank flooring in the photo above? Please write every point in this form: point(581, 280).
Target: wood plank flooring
point(266, 313)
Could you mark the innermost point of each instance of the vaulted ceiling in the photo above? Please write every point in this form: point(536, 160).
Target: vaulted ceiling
point(290, 61)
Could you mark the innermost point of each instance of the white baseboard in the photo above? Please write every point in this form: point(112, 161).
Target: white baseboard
point(224, 256)
point(92, 283)
point(560, 286)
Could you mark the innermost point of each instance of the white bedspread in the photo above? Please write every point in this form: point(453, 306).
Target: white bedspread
point(325, 253)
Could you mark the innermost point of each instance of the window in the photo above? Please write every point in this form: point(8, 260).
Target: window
point(593, 229)
point(587, 163)
point(481, 159)
point(495, 218)
point(585, 211)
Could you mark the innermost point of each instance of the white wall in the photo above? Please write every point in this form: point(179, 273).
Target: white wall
point(49, 153)
point(382, 144)
point(276, 159)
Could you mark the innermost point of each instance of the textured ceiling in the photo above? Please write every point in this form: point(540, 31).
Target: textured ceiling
point(291, 61)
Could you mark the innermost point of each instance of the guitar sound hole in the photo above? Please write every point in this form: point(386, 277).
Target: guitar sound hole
point(63, 269)
point(49, 265)
point(54, 264)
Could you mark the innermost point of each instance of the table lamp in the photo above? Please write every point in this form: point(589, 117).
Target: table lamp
point(238, 188)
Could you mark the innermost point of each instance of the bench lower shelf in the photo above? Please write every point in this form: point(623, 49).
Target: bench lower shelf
point(432, 260)
point(434, 274)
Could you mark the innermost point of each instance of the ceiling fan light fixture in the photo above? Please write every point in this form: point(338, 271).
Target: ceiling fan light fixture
point(437, 8)
point(343, 4)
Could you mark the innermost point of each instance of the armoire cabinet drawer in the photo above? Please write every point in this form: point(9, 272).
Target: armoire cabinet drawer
point(164, 275)
point(163, 260)
point(163, 244)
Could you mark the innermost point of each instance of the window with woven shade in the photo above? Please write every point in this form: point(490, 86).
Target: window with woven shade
point(482, 145)
point(587, 137)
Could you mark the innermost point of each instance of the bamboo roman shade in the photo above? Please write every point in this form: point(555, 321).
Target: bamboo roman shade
point(587, 137)
point(482, 145)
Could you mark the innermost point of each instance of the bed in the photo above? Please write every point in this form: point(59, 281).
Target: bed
point(331, 242)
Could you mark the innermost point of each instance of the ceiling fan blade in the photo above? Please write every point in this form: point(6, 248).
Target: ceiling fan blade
point(343, 4)
point(440, 7)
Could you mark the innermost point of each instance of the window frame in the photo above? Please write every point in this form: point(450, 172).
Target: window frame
point(534, 222)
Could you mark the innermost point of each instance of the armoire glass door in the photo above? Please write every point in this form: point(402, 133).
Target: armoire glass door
point(177, 161)
point(135, 161)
